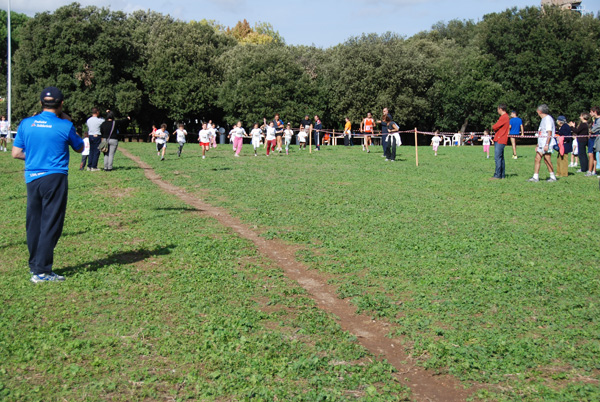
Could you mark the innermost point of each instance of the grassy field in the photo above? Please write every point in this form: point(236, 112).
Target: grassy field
point(161, 303)
point(493, 282)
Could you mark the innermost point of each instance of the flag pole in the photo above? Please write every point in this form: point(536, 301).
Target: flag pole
point(416, 148)
point(9, 83)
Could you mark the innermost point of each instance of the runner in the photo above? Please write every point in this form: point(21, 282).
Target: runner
point(545, 134)
point(204, 139)
point(366, 127)
point(213, 134)
point(161, 136)
point(516, 129)
point(238, 133)
point(181, 134)
point(271, 137)
point(256, 134)
point(279, 128)
point(4, 127)
point(435, 141)
point(288, 134)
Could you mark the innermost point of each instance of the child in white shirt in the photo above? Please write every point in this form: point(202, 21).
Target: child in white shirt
point(256, 134)
point(302, 137)
point(435, 141)
point(238, 133)
point(204, 139)
point(86, 151)
point(287, 134)
point(181, 134)
point(271, 137)
point(486, 139)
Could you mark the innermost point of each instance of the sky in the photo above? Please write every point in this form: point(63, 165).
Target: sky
point(323, 23)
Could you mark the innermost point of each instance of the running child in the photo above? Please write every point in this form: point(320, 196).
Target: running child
point(213, 134)
point(161, 136)
point(435, 141)
point(366, 127)
point(181, 134)
point(271, 138)
point(288, 134)
point(238, 133)
point(204, 139)
point(486, 139)
point(257, 135)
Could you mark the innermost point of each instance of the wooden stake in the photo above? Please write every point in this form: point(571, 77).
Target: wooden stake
point(310, 140)
point(416, 148)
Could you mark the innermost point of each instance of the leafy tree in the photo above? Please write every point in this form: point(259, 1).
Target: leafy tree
point(261, 80)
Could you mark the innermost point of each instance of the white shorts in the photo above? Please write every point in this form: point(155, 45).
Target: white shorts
point(542, 144)
point(256, 142)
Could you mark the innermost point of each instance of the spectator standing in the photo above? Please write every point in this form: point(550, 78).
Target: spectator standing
point(108, 131)
point(384, 132)
point(318, 127)
point(348, 133)
point(95, 137)
point(4, 129)
point(545, 134)
point(516, 129)
point(86, 151)
point(307, 126)
point(594, 132)
point(565, 147)
point(43, 143)
point(581, 131)
point(501, 128)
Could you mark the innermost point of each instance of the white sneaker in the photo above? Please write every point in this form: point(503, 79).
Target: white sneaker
point(533, 180)
point(551, 179)
point(203, 156)
point(237, 156)
point(51, 277)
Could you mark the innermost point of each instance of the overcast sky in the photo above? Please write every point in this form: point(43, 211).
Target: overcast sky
point(320, 22)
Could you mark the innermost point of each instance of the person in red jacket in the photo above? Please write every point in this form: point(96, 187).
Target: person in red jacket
point(500, 140)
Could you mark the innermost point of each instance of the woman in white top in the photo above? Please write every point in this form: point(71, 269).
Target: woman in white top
point(288, 134)
point(256, 134)
point(238, 133)
point(181, 134)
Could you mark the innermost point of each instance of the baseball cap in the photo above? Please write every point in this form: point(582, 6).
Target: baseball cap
point(562, 118)
point(51, 94)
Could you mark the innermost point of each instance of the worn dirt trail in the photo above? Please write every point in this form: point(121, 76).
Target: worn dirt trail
point(425, 386)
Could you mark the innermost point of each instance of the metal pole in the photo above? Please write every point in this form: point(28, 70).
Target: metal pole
point(9, 84)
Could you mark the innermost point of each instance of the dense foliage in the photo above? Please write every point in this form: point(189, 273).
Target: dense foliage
point(450, 77)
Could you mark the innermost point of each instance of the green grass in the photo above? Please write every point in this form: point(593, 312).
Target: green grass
point(162, 303)
point(493, 282)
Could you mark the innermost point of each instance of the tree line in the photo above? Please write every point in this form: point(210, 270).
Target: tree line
point(160, 69)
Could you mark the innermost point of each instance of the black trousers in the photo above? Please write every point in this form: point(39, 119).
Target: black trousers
point(384, 144)
point(46, 207)
point(94, 152)
point(390, 148)
point(583, 153)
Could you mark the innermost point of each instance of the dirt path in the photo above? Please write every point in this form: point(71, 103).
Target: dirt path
point(425, 386)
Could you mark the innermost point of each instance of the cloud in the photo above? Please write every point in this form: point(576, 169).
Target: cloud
point(31, 7)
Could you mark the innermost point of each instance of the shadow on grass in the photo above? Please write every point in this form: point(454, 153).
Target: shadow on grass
point(122, 258)
point(185, 209)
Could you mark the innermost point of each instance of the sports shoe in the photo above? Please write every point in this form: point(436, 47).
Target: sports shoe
point(162, 158)
point(551, 179)
point(588, 174)
point(51, 277)
point(203, 156)
point(387, 160)
point(533, 180)
point(515, 157)
point(237, 156)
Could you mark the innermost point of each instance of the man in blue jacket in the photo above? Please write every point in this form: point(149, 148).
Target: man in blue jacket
point(43, 143)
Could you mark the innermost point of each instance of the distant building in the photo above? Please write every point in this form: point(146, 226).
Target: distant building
point(568, 5)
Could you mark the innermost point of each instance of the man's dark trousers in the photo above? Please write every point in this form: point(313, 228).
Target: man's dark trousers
point(94, 151)
point(46, 207)
point(500, 163)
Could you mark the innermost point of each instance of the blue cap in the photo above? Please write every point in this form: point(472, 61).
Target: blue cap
point(52, 95)
point(562, 118)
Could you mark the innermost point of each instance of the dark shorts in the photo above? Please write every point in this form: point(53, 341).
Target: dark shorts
point(590, 145)
point(160, 146)
point(3, 135)
point(278, 134)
